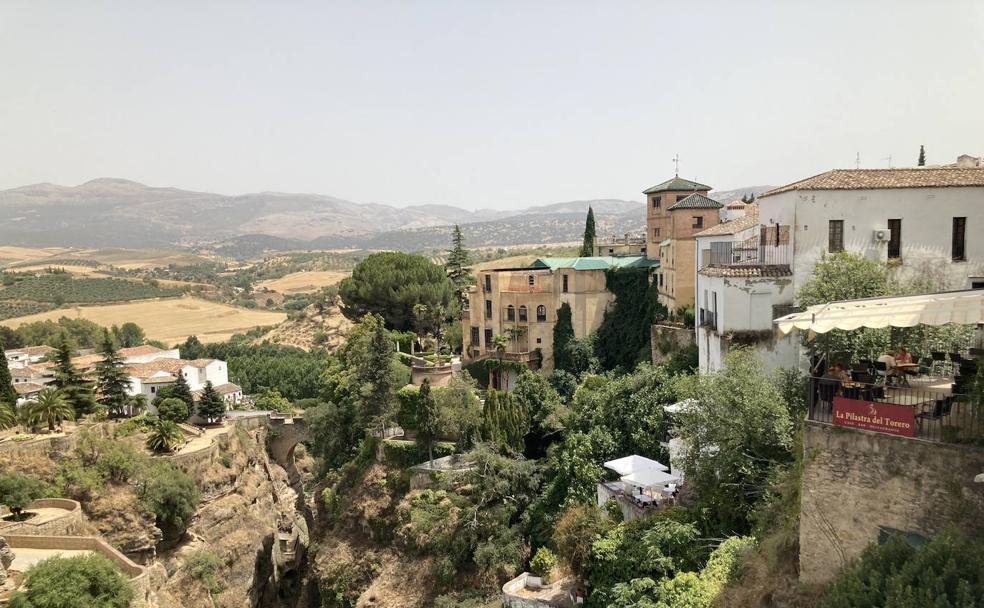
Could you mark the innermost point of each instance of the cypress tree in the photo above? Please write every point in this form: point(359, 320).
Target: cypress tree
point(563, 333)
point(922, 156)
point(7, 392)
point(211, 406)
point(587, 246)
point(111, 379)
point(427, 418)
point(182, 391)
point(76, 389)
point(490, 417)
point(459, 261)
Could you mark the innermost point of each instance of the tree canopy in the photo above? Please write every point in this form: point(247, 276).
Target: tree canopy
point(390, 284)
point(111, 378)
point(89, 581)
point(7, 392)
point(77, 389)
point(458, 265)
point(211, 405)
point(563, 333)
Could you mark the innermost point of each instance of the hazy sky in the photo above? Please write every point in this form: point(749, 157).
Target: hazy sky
point(481, 104)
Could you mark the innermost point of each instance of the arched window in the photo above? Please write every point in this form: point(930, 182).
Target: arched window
point(541, 313)
point(510, 313)
point(522, 313)
point(531, 280)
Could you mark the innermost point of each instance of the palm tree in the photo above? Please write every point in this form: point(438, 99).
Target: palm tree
point(50, 407)
point(8, 415)
point(500, 343)
point(164, 436)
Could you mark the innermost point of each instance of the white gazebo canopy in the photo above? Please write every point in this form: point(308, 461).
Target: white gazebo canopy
point(641, 471)
point(960, 307)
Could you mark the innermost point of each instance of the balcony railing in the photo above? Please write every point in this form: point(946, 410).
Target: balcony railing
point(746, 254)
point(921, 408)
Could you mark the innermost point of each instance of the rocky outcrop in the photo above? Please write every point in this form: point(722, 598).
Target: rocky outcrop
point(312, 328)
point(6, 558)
point(248, 507)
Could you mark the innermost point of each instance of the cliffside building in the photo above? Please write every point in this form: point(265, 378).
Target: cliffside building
point(522, 304)
point(676, 210)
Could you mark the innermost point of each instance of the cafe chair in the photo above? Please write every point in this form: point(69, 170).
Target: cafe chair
point(941, 409)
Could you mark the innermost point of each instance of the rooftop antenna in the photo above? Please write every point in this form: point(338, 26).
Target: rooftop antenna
point(857, 161)
point(889, 159)
point(676, 165)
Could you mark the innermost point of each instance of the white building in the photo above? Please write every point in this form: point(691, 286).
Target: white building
point(22, 357)
point(925, 222)
point(744, 281)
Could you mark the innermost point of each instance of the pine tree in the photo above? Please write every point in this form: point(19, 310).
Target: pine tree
point(563, 333)
point(73, 385)
point(459, 261)
point(427, 418)
point(7, 392)
point(182, 391)
point(922, 156)
point(211, 406)
point(111, 379)
point(587, 246)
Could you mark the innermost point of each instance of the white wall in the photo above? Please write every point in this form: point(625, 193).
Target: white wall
point(927, 222)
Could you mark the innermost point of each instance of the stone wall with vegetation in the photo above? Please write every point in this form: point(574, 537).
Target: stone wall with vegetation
point(859, 486)
point(670, 339)
point(71, 523)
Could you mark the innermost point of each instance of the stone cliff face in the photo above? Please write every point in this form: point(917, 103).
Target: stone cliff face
point(251, 522)
point(326, 329)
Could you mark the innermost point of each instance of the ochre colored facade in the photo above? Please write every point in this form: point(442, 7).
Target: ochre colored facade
point(670, 236)
point(522, 303)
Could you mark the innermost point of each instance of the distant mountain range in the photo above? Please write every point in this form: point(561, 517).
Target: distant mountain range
point(111, 212)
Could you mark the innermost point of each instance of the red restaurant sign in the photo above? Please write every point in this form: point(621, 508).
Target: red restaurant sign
point(873, 416)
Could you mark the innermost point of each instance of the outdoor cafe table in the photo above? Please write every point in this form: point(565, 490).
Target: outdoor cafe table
point(904, 367)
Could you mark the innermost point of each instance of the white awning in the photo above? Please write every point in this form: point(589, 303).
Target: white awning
point(960, 307)
point(641, 471)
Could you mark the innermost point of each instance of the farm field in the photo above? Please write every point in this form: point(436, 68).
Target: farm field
point(515, 261)
point(170, 321)
point(59, 288)
point(303, 282)
point(139, 258)
point(76, 270)
point(10, 254)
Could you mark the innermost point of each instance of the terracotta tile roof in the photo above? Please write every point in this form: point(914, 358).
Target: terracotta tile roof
point(695, 201)
point(22, 372)
point(86, 360)
point(770, 270)
point(145, 349)
point(228, 387)
point(24, 388)
point(750, 219)
point(877, 179)
point(33, 350)
point(172, 366)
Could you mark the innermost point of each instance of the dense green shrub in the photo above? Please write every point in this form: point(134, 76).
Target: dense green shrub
point(170, 494)
point(947, 572)
point(623, 339)
point(84, 581)
point(17, 492)
point(203, 565)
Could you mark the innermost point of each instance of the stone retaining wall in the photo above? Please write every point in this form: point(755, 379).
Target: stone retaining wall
point(860, 485)
point(665, 340)
point(137, 574)
point(43, 446)
point(70, 524)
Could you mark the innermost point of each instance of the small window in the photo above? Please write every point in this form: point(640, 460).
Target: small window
point(655, 233)
point(977, 284)
point(522, 313)
point(488, 338)
point(958, 248)
point(531, 280)
point(539, 340)
point(488, 309)
point(680, 197)
point(474, 336)
point(611, 251)
point(488, 282)
point(698, 221)
point(510, 313)
point(895, 240)
point(566, 283)
point(541, 313)
point(835, 236)
point(656, 202)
